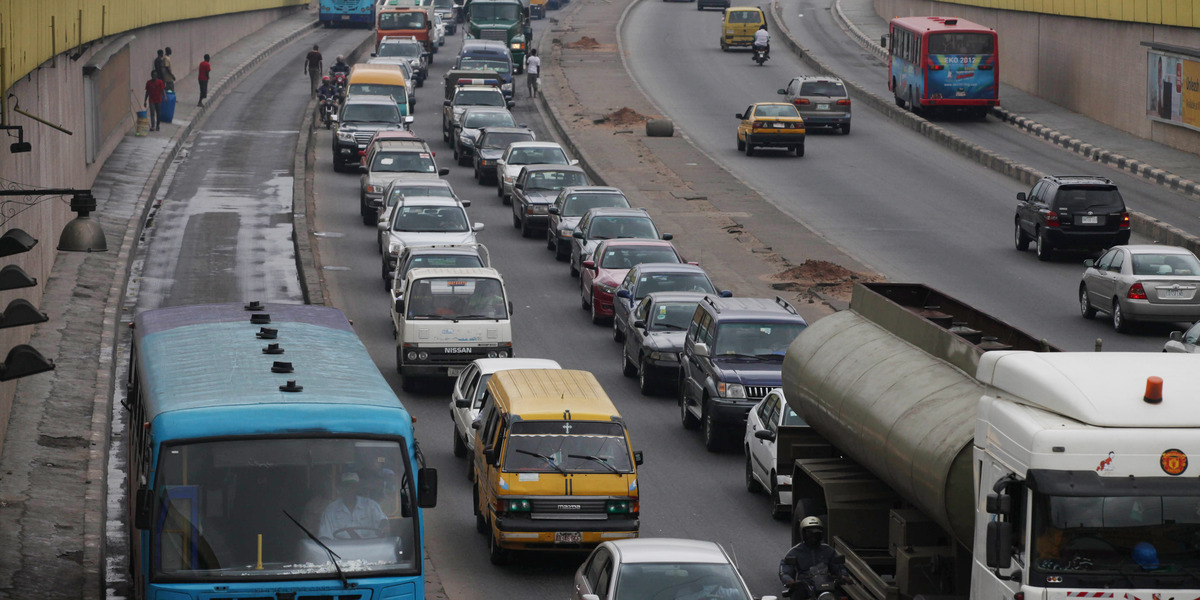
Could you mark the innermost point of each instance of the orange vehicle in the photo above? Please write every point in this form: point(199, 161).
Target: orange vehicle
point(414, 21)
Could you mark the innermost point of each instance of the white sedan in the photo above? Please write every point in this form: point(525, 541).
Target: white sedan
point(519, 154)
point(470, 389)
point(651, 568)
point(767, 421)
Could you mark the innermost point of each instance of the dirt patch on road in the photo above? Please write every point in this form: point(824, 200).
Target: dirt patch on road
point(584, 43)
point(626, 116)
point(815, 278)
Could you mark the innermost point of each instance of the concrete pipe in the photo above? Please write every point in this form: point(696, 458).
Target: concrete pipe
point(660, 128)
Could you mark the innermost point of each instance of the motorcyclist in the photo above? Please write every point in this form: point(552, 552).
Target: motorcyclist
point(810, 552)
point(340, 66)
point(762, 39)
point(325, 91)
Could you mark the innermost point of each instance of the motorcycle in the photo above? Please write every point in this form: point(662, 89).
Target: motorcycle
point(820, 583)
point(338, 79)
point(760, 55)
point(327, 107)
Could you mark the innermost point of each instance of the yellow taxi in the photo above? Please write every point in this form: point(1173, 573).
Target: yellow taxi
point(775, 124)
point(740, 25)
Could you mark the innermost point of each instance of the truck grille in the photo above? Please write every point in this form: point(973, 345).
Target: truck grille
point(757, 392)
point(493, 34)
point(581, 509)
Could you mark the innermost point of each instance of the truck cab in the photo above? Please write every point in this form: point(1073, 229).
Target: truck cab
point(502, 20)
point(448, 318)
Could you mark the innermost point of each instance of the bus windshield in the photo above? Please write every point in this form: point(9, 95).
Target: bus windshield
point(401, 20)
point(567, 447)
point(221, 509)
point(460, 298)
point(961, 43)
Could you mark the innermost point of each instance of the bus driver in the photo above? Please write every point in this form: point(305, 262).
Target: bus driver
point(351, 516)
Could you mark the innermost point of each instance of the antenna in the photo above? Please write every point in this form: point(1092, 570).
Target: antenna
point(733, 551)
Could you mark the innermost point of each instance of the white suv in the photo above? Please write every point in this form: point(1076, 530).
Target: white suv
point(423, 221)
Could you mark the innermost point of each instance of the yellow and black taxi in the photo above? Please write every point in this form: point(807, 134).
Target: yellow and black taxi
point(740, 25)
point(775, 124)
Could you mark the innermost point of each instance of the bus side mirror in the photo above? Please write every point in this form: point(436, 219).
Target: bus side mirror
point(427, 487)
point(999, 504)
point(399, 306)
point(999, 544)
point(883, 40)
point(489, 456)
point(142, 508)
point(637, 457)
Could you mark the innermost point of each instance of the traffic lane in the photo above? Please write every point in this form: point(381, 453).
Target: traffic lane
point(223, 232)
point(819, 32)
point(896, 201)
point(686, 491)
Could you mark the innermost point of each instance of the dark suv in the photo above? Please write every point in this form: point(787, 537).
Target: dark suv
point(1071, 212)
point(732, 356)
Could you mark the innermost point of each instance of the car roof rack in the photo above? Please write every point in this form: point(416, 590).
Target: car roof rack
point(786, 305)
point(713, 303)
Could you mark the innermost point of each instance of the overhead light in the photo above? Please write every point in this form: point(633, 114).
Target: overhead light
point(16, 241)
point(20, 312)
point(13, 277)
point(82, 234)
point(24, 360)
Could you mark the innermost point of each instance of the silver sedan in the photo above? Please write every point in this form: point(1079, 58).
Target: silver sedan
point(1142, 283)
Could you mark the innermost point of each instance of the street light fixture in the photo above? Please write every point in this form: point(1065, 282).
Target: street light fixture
point(82, 234)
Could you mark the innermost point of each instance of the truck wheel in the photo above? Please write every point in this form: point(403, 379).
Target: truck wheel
point(689, 421)
point(712, 437)
point(496, 554)
point(460, 449)
point(752, 484)
point(408, 383)
point(398, 361)
point(1085, 307)
point(779, 511)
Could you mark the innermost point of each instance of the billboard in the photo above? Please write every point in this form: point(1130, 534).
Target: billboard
point(1173, 89)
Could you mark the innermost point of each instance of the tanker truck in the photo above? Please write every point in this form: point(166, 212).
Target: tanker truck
point(952, 455)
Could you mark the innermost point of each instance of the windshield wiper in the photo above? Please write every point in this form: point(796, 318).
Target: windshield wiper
point(548, 460)
point(477, 318)
point(595, 459)
point(668, 326)
point(769, 356)
point(735, 355)
point(333, 556)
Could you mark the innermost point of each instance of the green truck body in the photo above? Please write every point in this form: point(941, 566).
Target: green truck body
point(502, 20)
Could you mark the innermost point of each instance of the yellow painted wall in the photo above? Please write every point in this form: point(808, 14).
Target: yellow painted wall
point(33, 31)
point(1177, 13)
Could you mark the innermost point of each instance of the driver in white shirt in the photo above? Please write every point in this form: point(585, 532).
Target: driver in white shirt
point(351, 516)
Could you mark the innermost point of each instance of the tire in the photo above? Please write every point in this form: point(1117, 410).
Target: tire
point(367, 219)
point(845, 129)
point(799, 150)
point(408, 383)
point(550, 240)
point(724, 46)
point(337, 164)
point(464, 160)
point(499, 188)
point(912, 103)
point(1120, 322)
point(497, 555)
point(525, 230)
point(741, 146)
point(596, 319)
point(752, 484)
point(574, 269)
point(1085, 307)
point(749, 149)
point(460, 449)
point(1044, 250)
point(480, 522)
point(1020, 240)
point(445, 133)
point(712, 437)
point(779, 511)
point(618, 335)
point(516, 220)
point(398, 362)
point(646, 385)
point(559, 254)
point(628, 369)
point(690, 422)
point(584, 300)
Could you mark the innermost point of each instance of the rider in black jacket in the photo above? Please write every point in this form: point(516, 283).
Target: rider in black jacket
point(808, 553)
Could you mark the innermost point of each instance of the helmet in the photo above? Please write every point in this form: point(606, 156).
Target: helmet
point(325, 78)
point(1145, 556)
point(340, 58)
point(811, 523)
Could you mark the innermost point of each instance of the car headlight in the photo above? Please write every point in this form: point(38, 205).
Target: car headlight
point(345, 136)
point(508, 179)
point(394, 249)
point(664, 356)
point(485, 162)
point(566, 233)
point(731, 390)
point(540, 209)
point(607, 289)
point(466, 140)
point(507, 87)
point(374, 189)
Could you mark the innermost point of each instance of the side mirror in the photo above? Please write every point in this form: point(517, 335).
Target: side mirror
point(999, 544)
point(589, 264)
point(462, 403)
point(577, 234)
point(668, 236)
point(511, 103)
point(382, 226)
point(700, 349)
point(408, 120)
point(446, 102)
point(726, 294)
point(553, 210)
point(883, 40)
point(999, 504)
point(489, 455)
point(1020, 196)
point(142, 508)
point(477, 227)
point(427, 487)
point(476, 424)
point(573, 162)
point(781, 92)
point(765, 434)
point(399, 305)
point(1176, 336)
point(1088, 262)
point(443, 172)
point(637, 457)
point(639, 324)
point(624, 294)
point(739, 116)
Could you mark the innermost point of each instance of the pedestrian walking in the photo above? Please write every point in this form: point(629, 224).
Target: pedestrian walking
point(168, 76)
point(312, 66)
point(159, 62)
point(533, 67)
point(202, 76)
point(154, 97)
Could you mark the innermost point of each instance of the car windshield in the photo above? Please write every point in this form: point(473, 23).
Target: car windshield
point(642, 581)
point(491, 97)
point(626, 257)
point(672, 282)
point(403, 162)
point(402, 50)
point(371, 113)
point(408, 190)
point(221, 509)
point(398, 93)
point(776, 111)
point(1166, 264)
point(456, 298)
point(484, 12)
point(671, 316)
point(1094, 199)
point(822, 88)
point(570, 446)
point(755, 339)
point(577, 204)
point(961, 43)
point(606, 228)
point(503, 139)
point(1086, 538)
point(554, 180)
point(475, 64)
point(537, 156)
point(402, 20)
point(481, 119)
point(447, 261)
point(431, 219)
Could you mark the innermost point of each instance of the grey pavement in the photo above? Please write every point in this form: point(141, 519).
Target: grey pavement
point(52, 469)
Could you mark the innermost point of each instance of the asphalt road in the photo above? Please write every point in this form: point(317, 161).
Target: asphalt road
point(686, 491)
point(905, 206)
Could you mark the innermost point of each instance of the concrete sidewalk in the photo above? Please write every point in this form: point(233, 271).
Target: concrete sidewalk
point(53, 467)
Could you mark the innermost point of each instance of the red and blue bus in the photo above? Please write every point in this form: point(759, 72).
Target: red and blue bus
point(943, 62)
point(351, 13)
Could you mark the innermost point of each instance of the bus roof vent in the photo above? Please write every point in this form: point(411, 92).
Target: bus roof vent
point(291, 387)
point(267, 333)
point(260, 318)
point(272, 349)
point(254, 305)
point(282, 367)
point(952, 21)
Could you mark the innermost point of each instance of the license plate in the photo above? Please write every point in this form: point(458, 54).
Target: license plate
point(1170, 293)
point(822, 107)
point(1089, 220)
point(960, 94)
point(345, 17)
point(567, 537)
point(453, 371)
point(779, 125)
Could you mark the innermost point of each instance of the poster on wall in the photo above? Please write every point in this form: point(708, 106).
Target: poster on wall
point(1173, 89)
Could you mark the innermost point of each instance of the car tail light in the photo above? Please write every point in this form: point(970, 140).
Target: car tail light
point(1136, 292)
point(757, 125)
point(800, 101)
point(1052, 219)
point(845, 102)
point(1124, 220)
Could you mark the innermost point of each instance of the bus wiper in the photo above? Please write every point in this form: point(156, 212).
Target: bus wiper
point(549, 460)
point(333, 556)
point(595, 459)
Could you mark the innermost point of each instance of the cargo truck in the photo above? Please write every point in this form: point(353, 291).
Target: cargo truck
point(503, 20)
point(955, 456)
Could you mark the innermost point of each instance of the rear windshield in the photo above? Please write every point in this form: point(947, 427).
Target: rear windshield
point(1083, 199)
point(577, 204)
point(1165, 264)
point(961, 43)
point(402, 20)
point(567, 446)
point(626, 257)
point(745, 16)
point(479, 98)
point(822, 88)
point(776, 110)
point(502, 140)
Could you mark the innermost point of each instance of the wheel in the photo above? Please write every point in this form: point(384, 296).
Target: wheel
point(445, 133)
point(689, 420)
point(712, 437)
point(596, 319)
point(337, 165)
point(584, 299)
point(741, 145)
point(912, 103)
point(1120, 323)
point(398, 359)
point(516, 220)
point(480, 522)
point(496, 554)
point(574, 269)
point(749, 149)
point(698, 7)
point(408, 383)
point(845, 129)
point(800, 150)
point(506, 199)
point(628, 369)
point(1044, 250)
point(499, 187)
point(460, 449)
point(367, 217)
point(779, 511)
point(560, 254)
point(645, 383)
point(463, 159)
point(550, 239)
point(1085, 307)
point(724, 46)
point(475, 174)
point(1020, 240)
point(526, 231)
point(752, 484)
point(618, 335)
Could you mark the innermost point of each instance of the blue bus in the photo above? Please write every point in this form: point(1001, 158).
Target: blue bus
point(268, 457)
point(353, 13)
point(943, 63)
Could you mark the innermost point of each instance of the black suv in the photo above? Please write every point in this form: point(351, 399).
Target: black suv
point(1071, 212)
point(732, 356)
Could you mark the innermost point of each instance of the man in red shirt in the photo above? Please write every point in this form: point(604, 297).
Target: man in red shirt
point(154, 97)
point(203, 77)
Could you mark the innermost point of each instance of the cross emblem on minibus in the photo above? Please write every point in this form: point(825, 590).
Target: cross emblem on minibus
point(566, 427)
